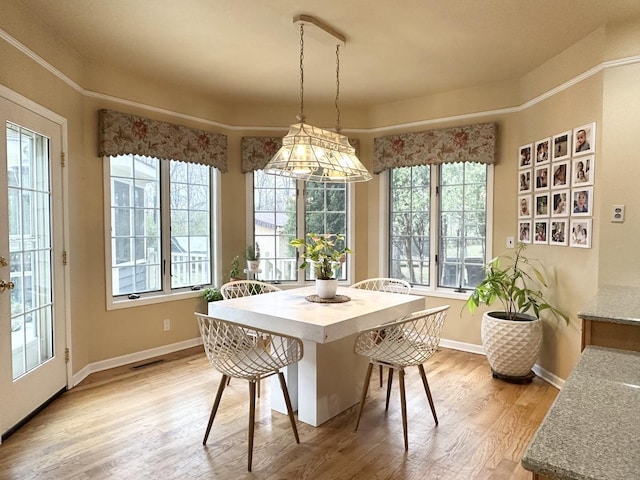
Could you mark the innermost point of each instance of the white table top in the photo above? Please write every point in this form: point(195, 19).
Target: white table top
point(288, 312)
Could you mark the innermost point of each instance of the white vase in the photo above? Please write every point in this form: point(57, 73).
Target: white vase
point(326, 288)
point(512, 347)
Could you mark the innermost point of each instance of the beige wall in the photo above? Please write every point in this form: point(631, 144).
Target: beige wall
point(609, 98)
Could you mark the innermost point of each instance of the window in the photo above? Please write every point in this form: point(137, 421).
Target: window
point(277, 215)
point(160, 224)
point(438, 224)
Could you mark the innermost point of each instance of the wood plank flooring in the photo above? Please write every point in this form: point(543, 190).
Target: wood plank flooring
point(148, 423)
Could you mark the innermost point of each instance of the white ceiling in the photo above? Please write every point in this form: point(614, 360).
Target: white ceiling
point(248, 50)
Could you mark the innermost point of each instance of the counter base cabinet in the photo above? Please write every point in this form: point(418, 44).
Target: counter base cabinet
point(611, 335)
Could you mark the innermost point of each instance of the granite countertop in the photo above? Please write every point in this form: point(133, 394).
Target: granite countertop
point(593, 427)
point(615, 304)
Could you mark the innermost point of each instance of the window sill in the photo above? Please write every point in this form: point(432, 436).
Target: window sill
point(442, 293)
point(151, 299)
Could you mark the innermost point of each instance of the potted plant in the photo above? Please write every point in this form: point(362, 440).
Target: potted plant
point(212, 294)
point(253, 258)
point(234, 273)
point(325, 253)
point(512, 336)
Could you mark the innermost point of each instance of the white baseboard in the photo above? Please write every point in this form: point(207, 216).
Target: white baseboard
point(472, 348)
point(133, 357)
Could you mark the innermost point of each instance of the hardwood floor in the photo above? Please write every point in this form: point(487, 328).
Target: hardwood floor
point(148, 423)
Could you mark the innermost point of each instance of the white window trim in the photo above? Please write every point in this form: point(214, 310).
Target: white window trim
point(300, 281)
point(154, 298)
point(383, 257)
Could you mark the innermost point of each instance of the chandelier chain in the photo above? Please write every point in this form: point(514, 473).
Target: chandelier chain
point(337, 87)
point(301, 118)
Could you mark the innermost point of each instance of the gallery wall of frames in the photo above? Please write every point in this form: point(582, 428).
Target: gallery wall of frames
point(555, 188)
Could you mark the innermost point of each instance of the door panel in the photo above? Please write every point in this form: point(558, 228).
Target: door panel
point(32, 308)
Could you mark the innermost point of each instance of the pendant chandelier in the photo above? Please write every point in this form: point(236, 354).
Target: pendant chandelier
point(310, 153)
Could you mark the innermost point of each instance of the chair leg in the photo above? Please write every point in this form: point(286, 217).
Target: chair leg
point(287, 400)
point(389, 382)
point(428, 391)
point(252, 420)
point(403, 404)
point(216, 404)
point(380, 376)
point(365, 389)
point(258, 386)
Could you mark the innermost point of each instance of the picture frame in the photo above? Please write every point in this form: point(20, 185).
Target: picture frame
point(525, 155)
point(524, 231)
point(584, 139)
point(524, 181)
point(541, 178)
point(541, 205)
point(560, 175)
point(559, 232)
point(524, 206)
point(580, 233)
point(561, 143)
point(583, 171)
point(542, 151)
point(560, 203)
point(541, 230)
point(582, 202)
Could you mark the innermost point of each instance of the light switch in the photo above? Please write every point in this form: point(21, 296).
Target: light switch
point(617, 213)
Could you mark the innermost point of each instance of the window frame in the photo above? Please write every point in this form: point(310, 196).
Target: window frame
point(167, 294)
point(301, 280)
point(384, 254)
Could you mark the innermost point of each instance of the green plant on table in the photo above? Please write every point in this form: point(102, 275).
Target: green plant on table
point(324, 252)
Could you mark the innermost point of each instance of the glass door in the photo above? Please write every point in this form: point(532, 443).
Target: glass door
point(32, 324)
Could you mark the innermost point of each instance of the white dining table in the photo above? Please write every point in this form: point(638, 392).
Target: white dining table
point(328, 380)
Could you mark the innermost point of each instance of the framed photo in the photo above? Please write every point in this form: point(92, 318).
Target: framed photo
point(560, 175)
point(524, 181)
point(580, 233)
point(560, 203)
point(542, 178)
point(558, 234)
point(583, 171)
point(584, 139)
point(582, 202)
point(524, 231)
point(561, 146)
point(524, 206)
point(524, 156)
point(541, 228)
point(542, 205)
point(543, 151)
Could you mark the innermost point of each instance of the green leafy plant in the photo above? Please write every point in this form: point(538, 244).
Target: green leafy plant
point(212, 294)
point(324, 252)
point(253, 252)
point(235, 267)
point(516, 284)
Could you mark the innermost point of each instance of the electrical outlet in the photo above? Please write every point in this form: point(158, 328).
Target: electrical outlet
point(166, 324)
point(617, 213)
point(510, 242)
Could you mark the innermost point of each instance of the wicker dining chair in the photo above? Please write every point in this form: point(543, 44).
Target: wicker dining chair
point(408, 341)
point(238, 351)
point(246, 288)
point(384, 284)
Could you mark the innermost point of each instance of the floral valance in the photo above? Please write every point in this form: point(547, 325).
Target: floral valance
point(470, 143)
point(257, 151)
point(122, 133)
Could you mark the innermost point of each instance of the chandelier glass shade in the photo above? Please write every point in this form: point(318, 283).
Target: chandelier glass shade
point(313, 154)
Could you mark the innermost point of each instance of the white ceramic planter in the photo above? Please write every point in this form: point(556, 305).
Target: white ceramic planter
point(253, 266)
point(326, 288)
point(512, 347)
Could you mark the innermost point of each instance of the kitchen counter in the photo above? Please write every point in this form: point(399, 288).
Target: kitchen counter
point(592, 430)
point(612, 317)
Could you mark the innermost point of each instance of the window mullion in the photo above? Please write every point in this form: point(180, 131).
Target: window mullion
point(436, 189)
point(301, 198)
point(165, 225)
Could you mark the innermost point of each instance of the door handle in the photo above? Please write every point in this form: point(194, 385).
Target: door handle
point(4, 285)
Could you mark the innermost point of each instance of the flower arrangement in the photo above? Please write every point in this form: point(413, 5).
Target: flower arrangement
point(325, 252)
